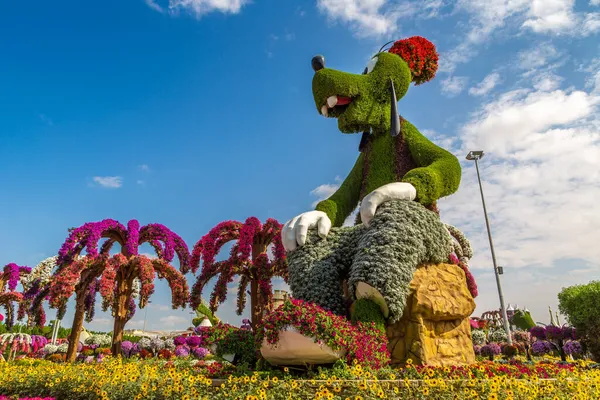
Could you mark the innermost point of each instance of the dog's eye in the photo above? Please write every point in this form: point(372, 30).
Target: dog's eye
point(371, 65)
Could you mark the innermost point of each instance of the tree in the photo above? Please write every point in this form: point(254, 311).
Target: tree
point(9, 279)
point(580, 304)
point(113, 276)
point(248, 259)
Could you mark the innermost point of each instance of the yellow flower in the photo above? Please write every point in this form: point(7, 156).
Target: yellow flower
point(425, 391)
point(409, 361)
point(392, 377)
point(275, 379)
point(493, 396)
point(286, 369)
point(265, 384)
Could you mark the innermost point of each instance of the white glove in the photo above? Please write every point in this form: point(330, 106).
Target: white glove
point(295, 230)
point(391, 191)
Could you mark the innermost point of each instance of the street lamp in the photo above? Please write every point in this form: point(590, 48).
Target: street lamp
point(476, 156)
point(146, 313)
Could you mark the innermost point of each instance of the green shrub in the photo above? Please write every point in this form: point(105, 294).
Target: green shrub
point(581, 305)
point(367, 311)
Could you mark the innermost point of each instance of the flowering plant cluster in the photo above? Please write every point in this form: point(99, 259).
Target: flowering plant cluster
point(99, 340)
point(363, 342)
point(248, 259)
point(184, 378)
point(22, 342)
point(552, 338)
point(7, 300)
point(420, 55)
point(26, 398)
point(11, 275)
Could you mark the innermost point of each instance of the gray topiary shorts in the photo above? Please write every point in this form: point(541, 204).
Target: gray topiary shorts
point(402, 235)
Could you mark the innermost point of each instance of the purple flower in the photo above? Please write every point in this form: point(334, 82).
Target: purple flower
point(182, 351)
point(180, 341)
point(199, 352)
point(540, 347)
point(126, 347)
point(569, 333)
point(554, 332)
point(572, 347)
point(477, 349)
point(538, 332)
point(491, 349)
point(193, 341)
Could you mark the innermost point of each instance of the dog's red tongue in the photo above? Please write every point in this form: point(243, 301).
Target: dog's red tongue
point(342, 101)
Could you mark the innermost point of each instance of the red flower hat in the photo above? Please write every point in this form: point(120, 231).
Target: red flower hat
point(420, 55)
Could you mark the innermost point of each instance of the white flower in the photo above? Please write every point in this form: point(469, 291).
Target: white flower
point(63, 348)
point(50, 348)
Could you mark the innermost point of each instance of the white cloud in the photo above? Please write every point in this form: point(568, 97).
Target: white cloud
point(144, 167)
point(376, 17)
point(139, 323)
point(159, 307)
point(202, 7)
point(590, 24)
point(593, 81)
point(140, 182)
point(487, 84)
point(173, 320)
point(547, 81)
point(153, 5)
point(551, 16)
point(540, 16)
point(540, 178)
point(537, 56)
point(594, 2)
point(453, 85)
point(323, 192)
point(110, 182)
point(102, 321)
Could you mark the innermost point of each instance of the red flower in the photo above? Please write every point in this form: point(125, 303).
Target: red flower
point(420, 55)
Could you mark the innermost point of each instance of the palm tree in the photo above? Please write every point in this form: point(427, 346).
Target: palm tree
point(248, 259)
point(77, 275)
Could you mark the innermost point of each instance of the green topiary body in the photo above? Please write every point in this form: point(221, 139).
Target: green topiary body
point(401, 236)
point(409, 157)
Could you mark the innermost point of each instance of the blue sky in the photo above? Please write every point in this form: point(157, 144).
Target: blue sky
point(191, 112)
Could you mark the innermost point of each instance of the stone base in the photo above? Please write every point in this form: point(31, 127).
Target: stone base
point(435, 329)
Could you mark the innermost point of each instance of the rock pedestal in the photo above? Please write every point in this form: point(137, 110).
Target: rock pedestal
point(434, 329)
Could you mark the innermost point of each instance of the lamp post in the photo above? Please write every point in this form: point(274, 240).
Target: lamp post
point(146, 314)
point(476, 156)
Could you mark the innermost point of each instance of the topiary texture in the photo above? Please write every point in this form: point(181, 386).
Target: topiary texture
point(522, 320)
point(401, 236)
point(364, 105)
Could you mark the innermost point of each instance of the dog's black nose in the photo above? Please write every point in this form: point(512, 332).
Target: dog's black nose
point(318, 62)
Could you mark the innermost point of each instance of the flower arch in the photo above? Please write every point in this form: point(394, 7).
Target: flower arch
point(114, 276)
point(248, 259)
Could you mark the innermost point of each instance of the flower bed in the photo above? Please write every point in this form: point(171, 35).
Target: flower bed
point(117, 379)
